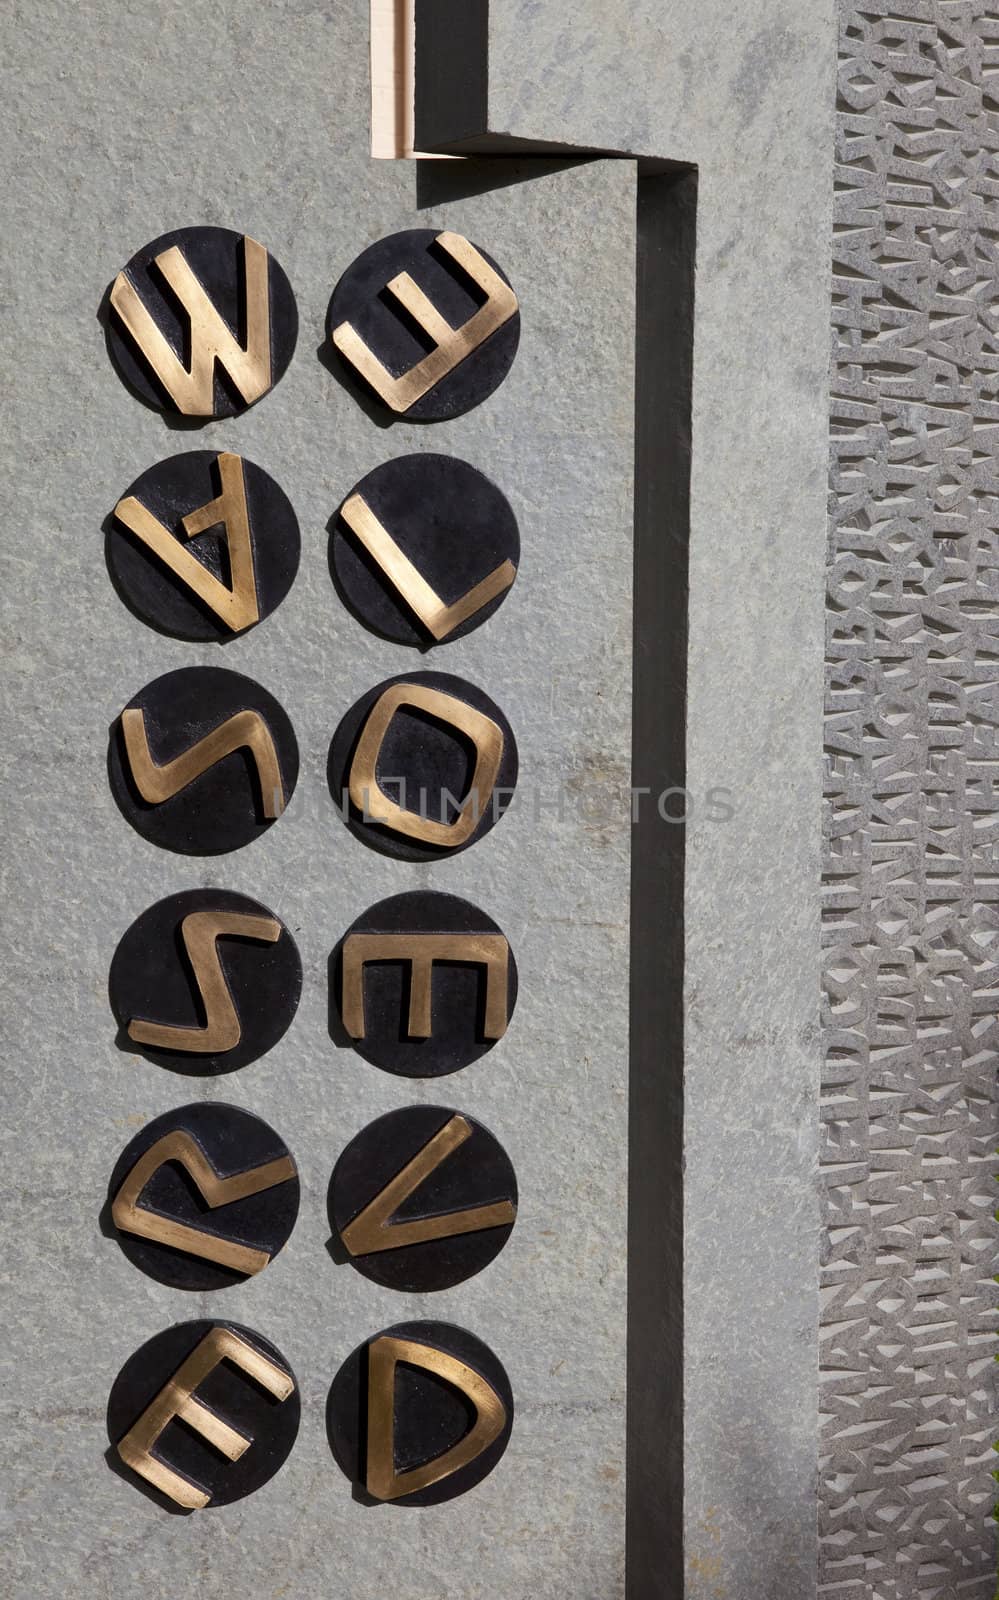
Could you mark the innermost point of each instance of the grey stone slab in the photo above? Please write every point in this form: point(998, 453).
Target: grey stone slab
point(121, 122)
point(747, 95)
point(910, 1105)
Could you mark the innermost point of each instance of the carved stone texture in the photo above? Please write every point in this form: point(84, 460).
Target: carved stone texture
point(911, 919)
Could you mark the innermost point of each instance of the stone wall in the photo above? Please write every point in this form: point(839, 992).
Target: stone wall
point(911, 919)
point(122, 122)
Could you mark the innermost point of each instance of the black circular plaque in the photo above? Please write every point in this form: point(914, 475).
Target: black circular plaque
point(164, 982)
point(180, 487)
point(234, 1214)
point(236, 796)
point(460, 1030)
point(268, 1421)
point(450, 522)
point(431, 1415)
point(226, 265)
point(362, 300)
point(468, 1177)
point(409, 802)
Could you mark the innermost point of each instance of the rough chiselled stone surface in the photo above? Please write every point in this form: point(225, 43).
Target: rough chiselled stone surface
point(911, 919)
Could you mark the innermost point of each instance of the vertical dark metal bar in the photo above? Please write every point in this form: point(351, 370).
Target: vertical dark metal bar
point(667, 218)
point(452, 70)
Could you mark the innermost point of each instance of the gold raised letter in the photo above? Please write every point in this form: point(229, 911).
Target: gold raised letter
point(236, 606)
point(453, 344)
point(192, 392)
point(484, 733)
point(130, 1216)
point(222, 1031)
point(421, 950)
point(384, 1353)
point(438, 618)
point(245, 729)
point(374, 1229)
point(178, 1399)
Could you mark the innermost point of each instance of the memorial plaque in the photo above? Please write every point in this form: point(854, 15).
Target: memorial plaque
point(203, 546)
point(427, 322)
point(422, 766)
point(557, 438)
point(204, 1196)
point(422, 1199)
point(203, 1414)
point(205, 982)
point(202, 761)
point(420, 1413)
point(424, 549)
point(425, 983)
point(202, 321)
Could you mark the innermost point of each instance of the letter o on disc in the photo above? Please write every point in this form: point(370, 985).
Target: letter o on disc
point(205, 982)
point(420, 1413)
point(422, 1199)
point(202, 761)
point(240, 1406)
point(426, 322)
point(201, 321)
point(422, 766)
point(204, 1196)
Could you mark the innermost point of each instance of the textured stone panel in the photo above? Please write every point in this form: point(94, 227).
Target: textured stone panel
point(122, 120)
point(911, 882)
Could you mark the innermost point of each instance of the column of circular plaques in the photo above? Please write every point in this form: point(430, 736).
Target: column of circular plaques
point(422, 551)
point(203, 547)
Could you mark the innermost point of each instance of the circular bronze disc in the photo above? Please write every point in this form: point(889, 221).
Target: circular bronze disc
point(172, 490)
point(430, 1414)
point(233, 1142)
point(475, 1173)
point(425, 765)
point(217, 258)
point(458, 989)
point(360, 298)
point(224, 807)
point(449, 520)
point(152, 978)
point(270, 1424)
